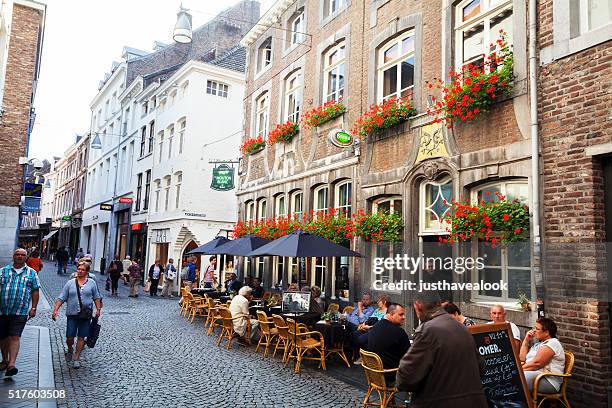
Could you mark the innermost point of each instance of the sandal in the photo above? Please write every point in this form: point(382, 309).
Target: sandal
point(11, 371)
point(3, 365)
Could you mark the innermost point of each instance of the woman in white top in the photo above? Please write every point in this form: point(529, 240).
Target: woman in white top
point(545, 356)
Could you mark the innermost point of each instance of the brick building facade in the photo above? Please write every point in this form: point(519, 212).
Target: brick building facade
point(21, 52)
point(388, 47)
point(575, 105)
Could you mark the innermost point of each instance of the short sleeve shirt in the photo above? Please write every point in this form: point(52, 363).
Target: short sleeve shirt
point(516, 333)
point(556, 365)
point(89, 292)
point(16, 288)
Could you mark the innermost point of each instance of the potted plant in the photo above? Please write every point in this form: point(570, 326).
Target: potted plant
point(327, 317)
point(284, 133)
point(322, 114)
point(383, 116)
point(523, 300)
point(252, 145)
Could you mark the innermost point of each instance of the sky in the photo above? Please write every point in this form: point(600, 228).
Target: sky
point(82, 39)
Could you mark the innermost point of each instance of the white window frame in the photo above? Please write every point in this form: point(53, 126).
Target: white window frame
point(294, 196)
point(315, 203)
point(348, 206)
point(293, 92)
point(170, 139)
point(395, 201)
point(182, 128)
point(397, 63)
point(262, 115)
point(161, 146)
point(296, 25)
point(264, 55)
point(584, 24)
point(217, 88)
point(336, 68)
point(332, 7)
point(489, 9)
point(157, 194)
point(262, 207)
point(319, 266)
point(280, 201)
point(441, 226)
point(503, 189)
point(168, 182)
point(249, 211)
point(179, 181)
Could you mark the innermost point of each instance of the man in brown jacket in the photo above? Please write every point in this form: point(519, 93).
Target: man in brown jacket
point(442, 367)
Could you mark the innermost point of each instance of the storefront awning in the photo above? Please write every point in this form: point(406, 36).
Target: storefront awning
point(49, 235)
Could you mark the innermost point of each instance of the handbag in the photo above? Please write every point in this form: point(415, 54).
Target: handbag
point(85, 314)
point(94, 333)
point(147, 286)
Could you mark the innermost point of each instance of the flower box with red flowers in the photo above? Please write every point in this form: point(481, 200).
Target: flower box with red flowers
point(322, 114)
point(493, 219)
point(252, 145)
point(383, 116)
point(473, 91)
point(283, 133)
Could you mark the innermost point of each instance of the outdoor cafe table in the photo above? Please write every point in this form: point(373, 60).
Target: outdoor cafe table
point(333, 333)
point(269, 311)
point(213, 294)
point(309, 318)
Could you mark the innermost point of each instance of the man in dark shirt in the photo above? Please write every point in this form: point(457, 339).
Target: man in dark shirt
point(388, 339)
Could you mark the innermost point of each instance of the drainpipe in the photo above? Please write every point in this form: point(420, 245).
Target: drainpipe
point(535, 146)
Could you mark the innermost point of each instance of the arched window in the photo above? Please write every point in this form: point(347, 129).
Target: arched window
point(434, 204)
point(262, 112)
point(293, 97)
point(157, 194)
point(262, 207)
point(320, 203)
point(280, 208)
point(333, 75)
point(510, 263)
point(178, 183)
point(296, 204)
point(170, 140)
point(297, 27)
point(264, 54)
point(167, 183)
point(390, 205)
point(182, 126)
point(249, 211)
point(396, 68)
point(343, 198)
point(160, 136)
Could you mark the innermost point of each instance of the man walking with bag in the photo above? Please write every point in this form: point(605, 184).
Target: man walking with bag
point(18, 285)
point(169, 276)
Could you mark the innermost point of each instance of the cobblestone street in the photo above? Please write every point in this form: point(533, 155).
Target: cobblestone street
point(148, 356)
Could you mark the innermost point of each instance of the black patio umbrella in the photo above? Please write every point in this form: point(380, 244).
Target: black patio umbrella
point(302, 244)
point(241, 246)
point(209, 246)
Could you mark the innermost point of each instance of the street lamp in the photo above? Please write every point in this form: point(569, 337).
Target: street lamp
point(182, 29)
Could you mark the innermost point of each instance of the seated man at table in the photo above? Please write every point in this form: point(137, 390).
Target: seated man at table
point(388, 339)
point(362, 312)
point(258, 291)
point(240, 308)
point(233, 284)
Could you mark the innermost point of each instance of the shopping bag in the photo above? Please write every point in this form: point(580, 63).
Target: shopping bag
point(94, 333)
point(147, 286)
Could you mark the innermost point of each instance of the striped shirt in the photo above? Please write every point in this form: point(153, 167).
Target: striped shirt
point(16, 288)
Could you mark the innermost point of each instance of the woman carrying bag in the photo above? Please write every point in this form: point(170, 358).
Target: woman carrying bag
point(80, 294)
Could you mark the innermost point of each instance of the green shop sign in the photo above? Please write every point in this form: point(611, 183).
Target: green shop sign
point(341, 138)
point(222, 178)
point(66, 218)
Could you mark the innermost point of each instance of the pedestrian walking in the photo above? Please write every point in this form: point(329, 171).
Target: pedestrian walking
point(135, 278)
point(19, 285)
point(127, 262)
point(442, 367)
point(62, 260)
point(78, 256)
point(209, 274)
point(80, 294)
point(34, 261)
point(169, 276)
point(155, 272)
point(190, 273)
point(114, 272)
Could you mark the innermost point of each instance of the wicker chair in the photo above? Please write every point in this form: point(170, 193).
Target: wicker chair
point(348, 310)
point(375, 374)
point(227, 331)
point(184, 302)
point(213, 319)
point(268, 332)
point(304, 342)
point(333, 308)
point(560, 396)
point(198, 307)
point(283, 337)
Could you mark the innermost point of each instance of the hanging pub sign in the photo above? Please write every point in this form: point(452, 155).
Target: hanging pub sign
point(222, 178)
point(341, 138)
point(32, 190)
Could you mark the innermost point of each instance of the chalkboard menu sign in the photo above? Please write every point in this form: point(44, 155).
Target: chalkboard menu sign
point(503, 380)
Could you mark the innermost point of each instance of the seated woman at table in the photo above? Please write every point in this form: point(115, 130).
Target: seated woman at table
point(240, 308)
point(258, 291)
point(316, 304)
point(293, 288)
point(545, 356)
point(361, 335)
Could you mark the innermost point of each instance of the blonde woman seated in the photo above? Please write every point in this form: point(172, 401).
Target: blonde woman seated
point(545, 356)
point(240, 308)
